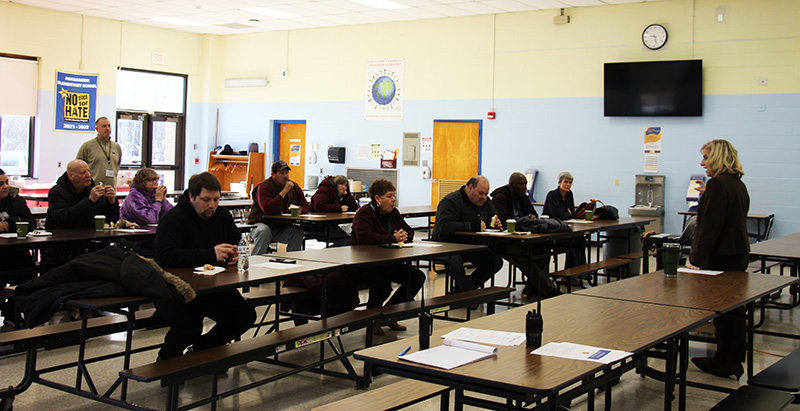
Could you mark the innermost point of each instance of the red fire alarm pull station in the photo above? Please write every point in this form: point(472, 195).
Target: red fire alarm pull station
point(491, 115)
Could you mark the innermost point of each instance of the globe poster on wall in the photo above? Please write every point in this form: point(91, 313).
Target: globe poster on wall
point(384, 91)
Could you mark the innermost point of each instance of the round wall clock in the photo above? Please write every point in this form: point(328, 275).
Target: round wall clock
point(654, 36)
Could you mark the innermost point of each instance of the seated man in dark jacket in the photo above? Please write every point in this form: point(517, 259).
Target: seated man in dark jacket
point(333, 196)
point(468, 209)
point(73, 203)
point(75, 199)
point(511, 202)
point(18, 265)
point(193, 233)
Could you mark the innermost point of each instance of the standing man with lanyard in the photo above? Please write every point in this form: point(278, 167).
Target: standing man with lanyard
point(101, 154)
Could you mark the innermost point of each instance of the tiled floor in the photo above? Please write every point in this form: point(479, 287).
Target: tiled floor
point(305, 390)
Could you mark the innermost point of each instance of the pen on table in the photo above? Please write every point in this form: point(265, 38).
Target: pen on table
point(405, 351)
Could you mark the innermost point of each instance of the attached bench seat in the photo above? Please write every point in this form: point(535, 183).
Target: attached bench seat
point(784, 375)
point(632, 256)
point(391, 397)
point(215, 359)
point(749, 398)
point(69, 333)
point(447, 302)
point(587, 269)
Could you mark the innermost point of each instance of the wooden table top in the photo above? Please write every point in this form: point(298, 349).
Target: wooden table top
point(231, 278)
point(720, 293)
point(372, 255)
point(577, 228)
point(62, 237)
point(615, 324)
point(787, 246)
point(417, 211)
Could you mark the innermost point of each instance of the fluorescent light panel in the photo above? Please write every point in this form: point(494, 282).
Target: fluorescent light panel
point(270, 13)
point(382, 4)
point(180, 22)
point(246, 82)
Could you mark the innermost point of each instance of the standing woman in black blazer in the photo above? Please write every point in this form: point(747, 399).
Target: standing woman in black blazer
point(721, 243)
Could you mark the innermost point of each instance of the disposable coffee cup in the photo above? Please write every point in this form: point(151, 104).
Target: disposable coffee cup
point(589, 214)
point(295, 211)
point(511, 224)
point(99, 222)
point(671, 255)
point(22, 229)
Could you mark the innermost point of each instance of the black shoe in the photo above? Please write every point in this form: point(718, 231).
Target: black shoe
point(726, 370)
point(707, 363)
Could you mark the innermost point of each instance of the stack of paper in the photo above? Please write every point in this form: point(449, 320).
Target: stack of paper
point(451, 354)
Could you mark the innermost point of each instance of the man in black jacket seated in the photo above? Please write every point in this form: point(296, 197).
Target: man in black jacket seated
point(468, 209)
point(75, 199)
point(194, 233)
point(511, 202)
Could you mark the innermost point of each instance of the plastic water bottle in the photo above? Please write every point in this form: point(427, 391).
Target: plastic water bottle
point(244, 253)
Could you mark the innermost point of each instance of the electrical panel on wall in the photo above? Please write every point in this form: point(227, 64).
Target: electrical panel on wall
point(411, 147)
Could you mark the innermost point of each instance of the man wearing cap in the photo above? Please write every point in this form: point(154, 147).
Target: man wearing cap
point(273, 196)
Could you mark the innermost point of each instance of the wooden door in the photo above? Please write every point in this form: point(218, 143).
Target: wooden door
point(292, 150)
point(456, 155)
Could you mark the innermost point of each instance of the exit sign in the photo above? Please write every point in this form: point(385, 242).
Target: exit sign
point(158, 58)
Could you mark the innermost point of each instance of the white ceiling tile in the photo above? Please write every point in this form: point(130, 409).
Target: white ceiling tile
point(322, 13)
point(509, 5)
point(545, 4)
point(478, 8)
point(421, 13)
point(583, 3)
point(447, 10)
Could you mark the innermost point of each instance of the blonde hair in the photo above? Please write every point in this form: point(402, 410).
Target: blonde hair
point(722, 158)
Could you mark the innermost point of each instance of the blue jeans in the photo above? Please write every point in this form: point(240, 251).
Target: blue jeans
point(263, 234)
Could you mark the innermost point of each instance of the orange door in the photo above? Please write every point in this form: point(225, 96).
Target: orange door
point(292, 150)
point(456, 156)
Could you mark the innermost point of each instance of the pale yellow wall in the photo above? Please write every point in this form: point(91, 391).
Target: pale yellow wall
point(452, 58)
point(55, 37)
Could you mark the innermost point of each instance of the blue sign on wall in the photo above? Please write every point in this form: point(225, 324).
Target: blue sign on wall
point(76, 101)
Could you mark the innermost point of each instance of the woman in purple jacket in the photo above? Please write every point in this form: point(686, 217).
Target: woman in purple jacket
point(147, 201)
point(377, 223)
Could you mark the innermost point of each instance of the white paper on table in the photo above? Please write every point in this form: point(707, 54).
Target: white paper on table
point(429, 245)
point(451, 354)
point(131, 230)
point(581, 352)
point(573, 221)
point(703, 272)
point(8, 235)
point(486, 336)
point(493, 232)
point(276, 266)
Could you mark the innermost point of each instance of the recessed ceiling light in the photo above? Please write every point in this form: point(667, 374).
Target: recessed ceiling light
point(180, 22)
point(382, 4)
point(270, 13)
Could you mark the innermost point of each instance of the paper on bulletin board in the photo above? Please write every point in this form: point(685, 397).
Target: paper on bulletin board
point(294, 154)
point(376, 151)
point(427, 144)
point(651, 163)
point(652, 140)
point(363, 151)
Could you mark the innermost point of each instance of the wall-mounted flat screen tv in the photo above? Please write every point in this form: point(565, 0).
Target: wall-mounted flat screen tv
point(653, 88)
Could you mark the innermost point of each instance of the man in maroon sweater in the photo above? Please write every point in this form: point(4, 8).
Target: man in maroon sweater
point(333, 196)
point(379, 222)
point(273, 196)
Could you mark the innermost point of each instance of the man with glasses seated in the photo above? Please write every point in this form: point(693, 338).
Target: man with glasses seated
point(468, 209)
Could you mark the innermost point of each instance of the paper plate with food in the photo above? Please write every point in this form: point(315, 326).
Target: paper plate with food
point(208, 269)
point(39, 233)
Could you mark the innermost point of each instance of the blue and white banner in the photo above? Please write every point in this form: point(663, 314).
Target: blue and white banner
point(76, 101)
point(384, 93)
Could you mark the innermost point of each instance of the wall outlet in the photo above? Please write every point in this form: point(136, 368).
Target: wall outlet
point(616, 181)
